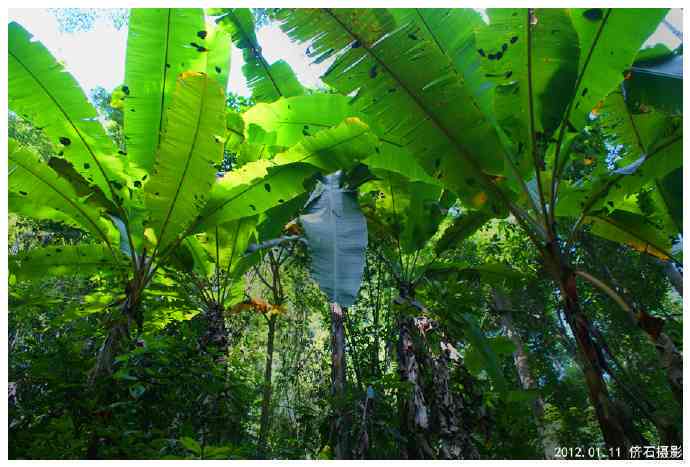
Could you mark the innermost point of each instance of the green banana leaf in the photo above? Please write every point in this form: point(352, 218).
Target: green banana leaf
point(610, 38)
point(657, 83)
point(258, 186)
point(40, 187)
point(534, 68)
point(461, 228)
point(268, 82)
point(285, 122)
point(408, 211)
point(484, 352)
point(225, 244)
point(40, 90)
point(404, 79)
point(64, 260)
point(668, 200)
point(190, 146)
point(634, 230)
point(162, 43)
point(157, 46)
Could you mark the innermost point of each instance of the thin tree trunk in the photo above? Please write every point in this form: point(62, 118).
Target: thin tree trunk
point(616, 425)
point(341, 426)
point(268, 388)
point(502, 305)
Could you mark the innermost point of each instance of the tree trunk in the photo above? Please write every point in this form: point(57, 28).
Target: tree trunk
point(614, 419)
point(414, 414)
point(268, 389)
point(341, 426)
point(502, 305)
point(115, 343)
point(455, 442)
point(216, 336)
point(118, 332)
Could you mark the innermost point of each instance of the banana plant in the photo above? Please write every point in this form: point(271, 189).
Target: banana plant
point(145, 194)
point(143, 202)
point(492, 110)
point(405, 215)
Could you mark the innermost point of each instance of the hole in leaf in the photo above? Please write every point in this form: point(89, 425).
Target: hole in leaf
point(137, 184)
point(593, 14)
point(267, 187)
point(23, 193)
point(87, 166)
point(218, 69)
point(202, 34)
point(481, 52)
point(199, 48)
point(65, 141)
point(253, 207)
point(513, 39)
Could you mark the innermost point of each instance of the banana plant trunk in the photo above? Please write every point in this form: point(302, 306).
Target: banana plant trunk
point(502, 305)
point(615, 422)
point(268, 389)
point(340, 428)
point(412, 405)
point(117, 338)
point(216, 336)
point(455, 442)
